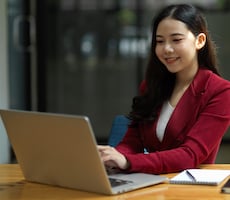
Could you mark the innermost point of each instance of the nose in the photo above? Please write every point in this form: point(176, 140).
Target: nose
point(168, 48)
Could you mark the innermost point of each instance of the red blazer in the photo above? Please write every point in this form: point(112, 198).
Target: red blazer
point(193, 134)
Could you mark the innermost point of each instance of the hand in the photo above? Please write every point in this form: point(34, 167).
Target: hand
point(112, 158)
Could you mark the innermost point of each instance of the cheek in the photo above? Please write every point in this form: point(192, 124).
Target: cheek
point(158, 51)
point(182, 50)
point(187, 50)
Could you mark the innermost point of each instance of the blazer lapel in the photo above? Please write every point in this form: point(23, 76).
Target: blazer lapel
point(186, 111)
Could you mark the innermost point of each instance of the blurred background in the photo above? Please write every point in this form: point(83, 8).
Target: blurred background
point(86, 57)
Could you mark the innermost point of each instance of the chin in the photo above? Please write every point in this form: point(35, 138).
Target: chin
point(173, 71)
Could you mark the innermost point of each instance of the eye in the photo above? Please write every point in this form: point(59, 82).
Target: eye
point(177, 39)
point(159, 41)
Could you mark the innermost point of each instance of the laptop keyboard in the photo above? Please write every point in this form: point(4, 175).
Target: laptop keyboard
point(117, 182)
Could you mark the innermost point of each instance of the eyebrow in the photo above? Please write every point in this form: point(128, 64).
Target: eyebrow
point(173, 34)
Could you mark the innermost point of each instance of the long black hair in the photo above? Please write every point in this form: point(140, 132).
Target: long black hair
point(159, 81)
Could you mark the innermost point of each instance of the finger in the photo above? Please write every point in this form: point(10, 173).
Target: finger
point(102, 147)
point(110, 164)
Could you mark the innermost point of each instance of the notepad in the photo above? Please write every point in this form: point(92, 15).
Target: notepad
point(200, 176)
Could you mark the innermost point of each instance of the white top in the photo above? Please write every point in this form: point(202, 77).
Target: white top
point(165, 115)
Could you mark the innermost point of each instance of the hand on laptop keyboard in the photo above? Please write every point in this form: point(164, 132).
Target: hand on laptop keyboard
point(112, 170)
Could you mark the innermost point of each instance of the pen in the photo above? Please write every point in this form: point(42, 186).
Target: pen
point(190, 175)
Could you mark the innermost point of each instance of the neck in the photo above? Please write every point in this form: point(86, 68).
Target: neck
point(184, 78)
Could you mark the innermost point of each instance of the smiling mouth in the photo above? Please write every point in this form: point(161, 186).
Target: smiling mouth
point(171, 60)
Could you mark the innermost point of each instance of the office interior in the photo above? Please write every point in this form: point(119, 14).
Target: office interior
point(86, 57)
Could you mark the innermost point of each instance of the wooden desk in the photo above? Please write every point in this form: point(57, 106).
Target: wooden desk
point(13, 186)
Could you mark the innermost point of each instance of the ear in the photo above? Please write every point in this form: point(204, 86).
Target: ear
point(200, 41)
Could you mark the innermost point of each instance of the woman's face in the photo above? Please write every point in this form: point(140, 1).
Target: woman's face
point(176, 46)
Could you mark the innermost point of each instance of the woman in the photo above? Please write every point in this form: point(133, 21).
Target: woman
point(183, 109)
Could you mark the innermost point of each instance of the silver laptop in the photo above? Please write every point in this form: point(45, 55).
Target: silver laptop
point(61, 150)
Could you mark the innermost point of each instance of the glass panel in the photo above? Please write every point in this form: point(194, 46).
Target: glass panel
point(92, 60)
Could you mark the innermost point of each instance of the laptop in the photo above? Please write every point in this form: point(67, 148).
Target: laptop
point(61, 150)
